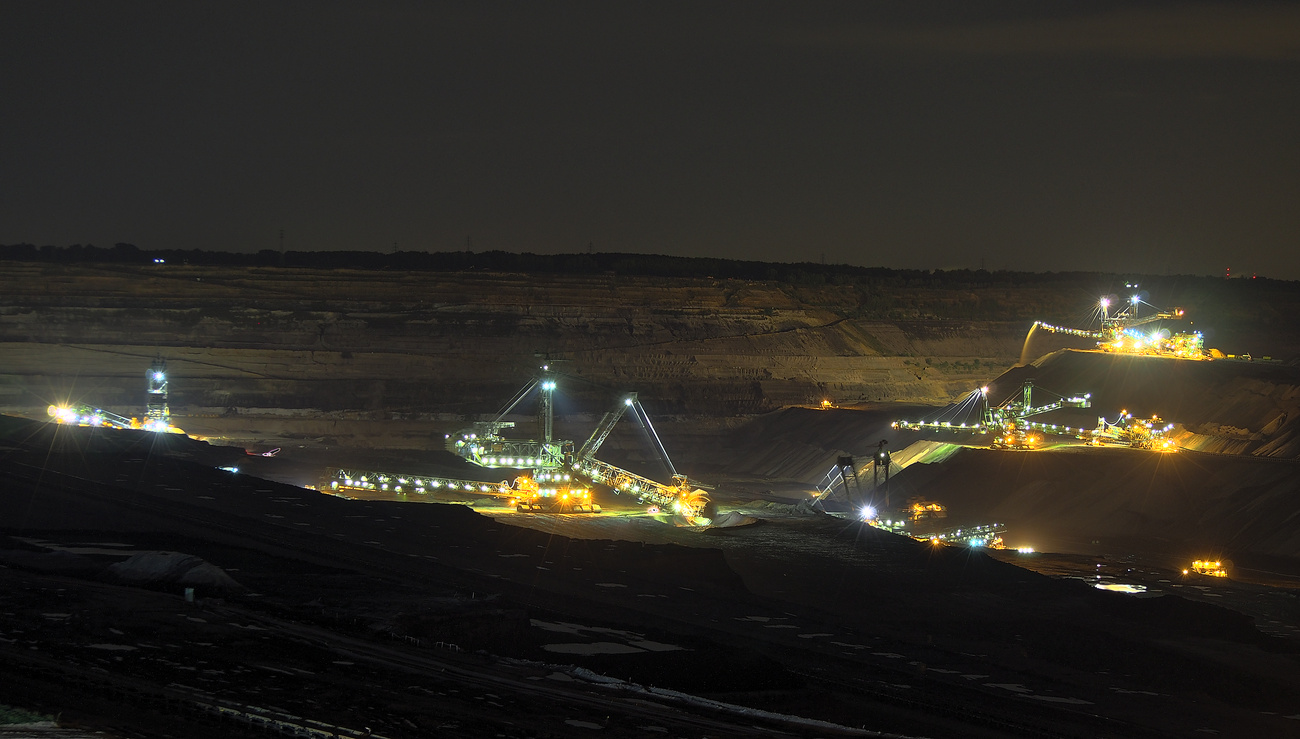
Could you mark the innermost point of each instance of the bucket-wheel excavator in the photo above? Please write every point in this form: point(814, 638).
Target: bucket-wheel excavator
point(1009, 421)
point(554, 478)
point(1119, 331)
point(679, 498)
point(1138, 433)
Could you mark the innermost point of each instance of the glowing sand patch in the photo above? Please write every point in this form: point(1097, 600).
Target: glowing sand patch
point(1055, 699)
point(847, 644)
point(655, 646)
point(600, 647)
point(1122, 691)
point(109, 548)
point(631, 643)
point(1121, 587)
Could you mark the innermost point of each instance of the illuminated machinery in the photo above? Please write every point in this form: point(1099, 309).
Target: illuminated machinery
point(982, 535)
point(842, 479)
point(339, 480)
point(680, 497)
point(530, 497)
point(550, 484)
point(919, 508)
point(525, 494)
point(1008, 421)
point(84, 415)
point(483, 445)
point(156, 412)
point(1120, 331)
point(157, 416)
point(546, 487)
point(1208, 567)
point(555, 464)
point(1138, 433)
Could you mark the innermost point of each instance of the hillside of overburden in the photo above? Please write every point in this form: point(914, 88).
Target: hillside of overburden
point(1115, 500)
point(317, 616)
point(1225, 406)
point(1231, 490)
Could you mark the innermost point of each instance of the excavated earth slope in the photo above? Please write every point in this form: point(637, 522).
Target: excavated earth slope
point(1115, 500)
point(1231, 406)
point(1233, 488)
point(361, 618)
point(1224, 407)
point(802, 615)
point(339, 359)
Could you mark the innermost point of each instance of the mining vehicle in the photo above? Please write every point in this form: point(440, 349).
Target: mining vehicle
point(530, 497)
point(919, 508)
point(1209, 568)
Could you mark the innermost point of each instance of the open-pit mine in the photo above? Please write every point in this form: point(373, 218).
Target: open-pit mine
point(251, 500)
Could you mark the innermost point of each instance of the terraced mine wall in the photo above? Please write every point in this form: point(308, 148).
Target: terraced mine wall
point(319, 350)
point(395, 359)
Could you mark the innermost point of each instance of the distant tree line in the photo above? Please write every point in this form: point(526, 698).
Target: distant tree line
point(651, 265)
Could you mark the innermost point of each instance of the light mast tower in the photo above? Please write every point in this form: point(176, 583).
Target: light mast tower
point(156, 414)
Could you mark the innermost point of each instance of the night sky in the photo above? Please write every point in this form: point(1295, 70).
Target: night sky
point(1045, 136)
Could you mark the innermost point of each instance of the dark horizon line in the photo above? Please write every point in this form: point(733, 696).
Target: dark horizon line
point(589, 263)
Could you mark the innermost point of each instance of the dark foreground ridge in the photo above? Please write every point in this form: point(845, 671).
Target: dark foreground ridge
point(409, 620)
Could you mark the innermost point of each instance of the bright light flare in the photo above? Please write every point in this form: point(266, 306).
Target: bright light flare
point(63, 414)
point(868, 513)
